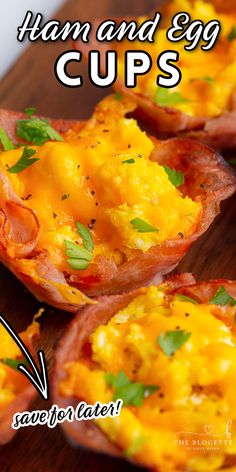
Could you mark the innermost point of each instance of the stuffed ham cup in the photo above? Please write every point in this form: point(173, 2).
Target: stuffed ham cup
point(16, 392)
point(169, 353)
point(202, 106)
point(103, 208)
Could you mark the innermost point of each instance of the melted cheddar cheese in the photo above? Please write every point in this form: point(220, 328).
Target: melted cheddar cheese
point(12, 382)
point(208, 78)
point(85, 179)
point(196, 384)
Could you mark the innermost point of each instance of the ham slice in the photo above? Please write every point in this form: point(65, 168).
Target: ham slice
point(219, 132)
point(71, 348)
point(207, 179)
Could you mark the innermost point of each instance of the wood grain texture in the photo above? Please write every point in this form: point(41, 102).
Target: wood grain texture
point(31, 82)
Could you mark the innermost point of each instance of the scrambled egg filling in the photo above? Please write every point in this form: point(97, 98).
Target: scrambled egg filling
point(196, 383)
point(12, 382)
point(208, 78)
point(101, 175)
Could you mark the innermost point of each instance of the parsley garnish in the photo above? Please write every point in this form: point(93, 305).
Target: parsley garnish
point(86, 237)
point(13, 363)
point(7, 144)
point(166, 98)
point(175, 177)
point(80, 257)
point(128, 161)
point(232, 34)
point(30, 111)
point(172, 341)
point(222, 297)
point(37, 131)
point(142, 226)
point(186, 299)
point(132, 393)
point(24, 161)
point(118, 96)
point(207, 79)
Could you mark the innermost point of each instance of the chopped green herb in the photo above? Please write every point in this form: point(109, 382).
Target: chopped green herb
point(135, 446)
point(37, 131)
point(172, 341)
point(175, 177)
point(7, 144)
point(110, 378)
point(166, 98)
point(75, 251)
point(128, 161)
point(232, 34)
point(13, 363)
point(232, 162)
point(132, 393)
point(180, 296)
point(86, 236)
point(80, 257)
point(78, 264)
point(207, 79)
point(30, 111)
point(118, 96)
point(222, 297)
point(142, 226)
point(24, 162)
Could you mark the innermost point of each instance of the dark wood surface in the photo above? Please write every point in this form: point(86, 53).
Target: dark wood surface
point(31, 82)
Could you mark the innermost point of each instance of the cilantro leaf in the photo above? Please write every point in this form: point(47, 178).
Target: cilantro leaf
point(132, 393)
point(232, 34)
point(13, 363)
point(36, 131)
point(7, 144)
point(180, 296)
point(24, 162)
point(142, 226)
point(172, 341)
point(30, 111)
point(128, 161)
point(175, 177)
point(222, 297)
point(86, 236)
point(166, 98)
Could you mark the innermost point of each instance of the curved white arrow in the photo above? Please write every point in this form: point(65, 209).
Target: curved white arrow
point(40, 377)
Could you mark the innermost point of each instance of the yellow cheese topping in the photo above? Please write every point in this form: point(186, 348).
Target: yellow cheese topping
point(196, 396)
point(208, 78)
point(12, 382)
point(85, 179)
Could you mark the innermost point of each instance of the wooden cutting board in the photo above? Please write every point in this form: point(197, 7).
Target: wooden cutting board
point(31, 82)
